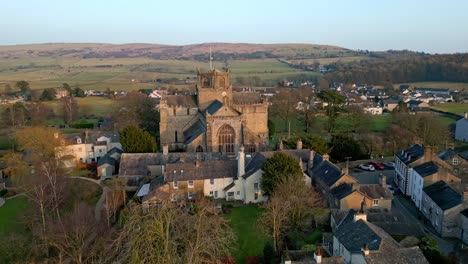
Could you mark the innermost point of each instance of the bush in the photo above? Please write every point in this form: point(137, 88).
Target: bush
point(268, 253)
point(3, 192)
point(82, 125)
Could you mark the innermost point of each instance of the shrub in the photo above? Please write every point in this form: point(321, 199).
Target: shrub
point(3, 192)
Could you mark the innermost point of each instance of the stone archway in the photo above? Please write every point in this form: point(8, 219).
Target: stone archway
point(226, 139)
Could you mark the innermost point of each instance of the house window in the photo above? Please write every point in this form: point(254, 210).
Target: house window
point(230, 194)
point(256, 196)
point(175, 136)
point(216, 194)
point(212, 181)
point(256, 186)
point(190, 184)
point(455, 162)
point(375, 202)
point(238, 192)
point(100, 151)
point(173, 197)
point(190, 195)
point(188, 111)
point(211, 193)
point(176, 184)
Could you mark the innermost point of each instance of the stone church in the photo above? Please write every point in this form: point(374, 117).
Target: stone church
point(214, 119)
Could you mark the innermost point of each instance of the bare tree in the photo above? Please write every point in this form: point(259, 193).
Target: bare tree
point(114, 198)
point(166, 233)
point(284, 105)
point(69, 108)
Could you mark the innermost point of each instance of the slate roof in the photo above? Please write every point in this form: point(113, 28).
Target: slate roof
point(414, 102)
point(213, 107)
point(443, 195)
point(374, 191)
point(426, 169)
point(353, 235)
point(414, 152)
point(211, 169)
point(464, 155)
point(447, 154)
point(465, 213)
point(259, 158)
point(194, 131)
point(136, 164)
point(326, 171)
point(432, 90)
point(403, 87)
point(342, 190)
point(246, 98)
point(114, 150)
point(106, 160)
point(180, 100)
point(383, 248)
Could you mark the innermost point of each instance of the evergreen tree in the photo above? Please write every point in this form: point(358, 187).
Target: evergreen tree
point(135, 140)
point(277, 169)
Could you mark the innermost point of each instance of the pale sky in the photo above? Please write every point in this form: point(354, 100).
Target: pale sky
point(420, 25)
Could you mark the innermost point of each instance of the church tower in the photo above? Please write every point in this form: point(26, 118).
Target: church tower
point(213, 85)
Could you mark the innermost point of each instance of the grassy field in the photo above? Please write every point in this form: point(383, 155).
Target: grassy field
point(452, 108)
point(244, 223)
point(130, 73)
point(450, 85)
point(10, 214)
point(99, 106)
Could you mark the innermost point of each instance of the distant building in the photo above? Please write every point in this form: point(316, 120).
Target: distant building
point(432, 90)
point(461, 130)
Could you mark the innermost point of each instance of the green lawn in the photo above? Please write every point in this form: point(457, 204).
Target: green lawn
point(249, 240)
point(10, 213)
point(99, 106)
point(452, 108)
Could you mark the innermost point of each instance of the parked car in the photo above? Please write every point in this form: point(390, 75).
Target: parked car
point(377, 165)
point(367, 167)
point(389, 164)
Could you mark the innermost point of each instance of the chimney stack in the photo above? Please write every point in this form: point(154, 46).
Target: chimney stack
point(427, 153)
point(311, 159)
point(326, 157)
point(299, 144)
point(165, 149)
point(365, 250)
point(383, 180)
point(182, 158)
point(318, 256)
point(465, 115)
point(241, 162)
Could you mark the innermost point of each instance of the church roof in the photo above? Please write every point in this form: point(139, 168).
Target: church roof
point(246, 98)
point(180, 100)
point(194, 131)
point(213, 107)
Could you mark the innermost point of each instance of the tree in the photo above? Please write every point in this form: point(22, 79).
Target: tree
point(48, 94)
point(271, 128)
point(67, 87)
point(78, 92)
point(359, 120)
point(39, 113)
point(15, 115)
point(344, 146)
point(292, 205)
point(316, 143)
point(277, 168)
point(431, 132)
point(334, 102)
point(23, 86)
point(69, 109)
point(139, 110)
point(166, 233)
point(135, 140)
point(284, 106)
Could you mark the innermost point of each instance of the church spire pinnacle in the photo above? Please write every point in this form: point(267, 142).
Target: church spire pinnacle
point(211, 59)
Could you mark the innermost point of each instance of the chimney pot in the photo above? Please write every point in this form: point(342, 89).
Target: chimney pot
point(299, 144)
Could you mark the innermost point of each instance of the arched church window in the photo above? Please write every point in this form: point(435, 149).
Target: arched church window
point(226, 139)
point(199, 149)
point(206, 82)
point(175, 136)
point(251, 147)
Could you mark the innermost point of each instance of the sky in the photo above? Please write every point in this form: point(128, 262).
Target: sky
point(419, 25)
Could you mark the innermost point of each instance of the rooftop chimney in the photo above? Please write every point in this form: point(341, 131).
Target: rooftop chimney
point(365, 250)
point(326, 157)
point(165, 149)
point(361, 215)
point(318, 256)
point(311, 159)
point(383, 180)
point(345, 171)
point(241, 162)
point(299, 144)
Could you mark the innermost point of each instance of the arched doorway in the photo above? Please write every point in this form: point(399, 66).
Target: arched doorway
point(226, 139)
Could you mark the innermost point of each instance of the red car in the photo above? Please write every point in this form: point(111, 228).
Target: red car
point(378, 166)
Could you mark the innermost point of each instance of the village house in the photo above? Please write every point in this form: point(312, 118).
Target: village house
point(61, 92)
point(404, 161)
point(389, 104)
point(429, 173)
point(434, 91)
point(359, 241)
point(441, 205)
point(223, 178)
point(461, 130)
point(464, 226)
point(342, 191)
